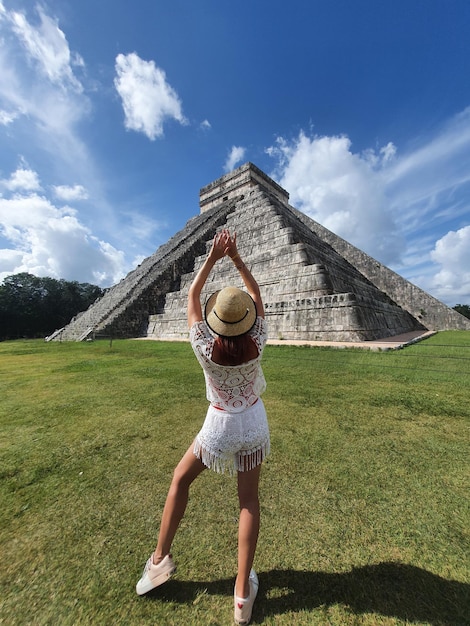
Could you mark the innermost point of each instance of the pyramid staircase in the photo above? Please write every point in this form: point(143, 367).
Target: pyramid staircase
point(124, 309)
point(315, 285)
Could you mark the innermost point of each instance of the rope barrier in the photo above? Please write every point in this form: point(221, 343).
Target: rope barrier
point(376, 359)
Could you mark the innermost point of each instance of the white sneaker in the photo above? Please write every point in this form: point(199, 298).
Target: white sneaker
point(244, 606)
point(155, 575)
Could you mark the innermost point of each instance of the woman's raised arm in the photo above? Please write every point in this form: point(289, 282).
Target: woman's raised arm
point(216, 252)
point(248, 278)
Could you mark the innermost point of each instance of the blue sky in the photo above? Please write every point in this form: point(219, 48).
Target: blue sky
point(114, 114)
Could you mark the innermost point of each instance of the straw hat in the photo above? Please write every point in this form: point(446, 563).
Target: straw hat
point(230, 312)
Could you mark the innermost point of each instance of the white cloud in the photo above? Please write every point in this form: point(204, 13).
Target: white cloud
point(70, 193)
point(341, 190)
point(427, 182)
point(454, 248)
point(47, 48)
point(49, 241)
point(8, 259)
point(50, 106)
point(38, 86)
point(452, 253)
point(140, 227)
point(237, 154)
point(388, 152)
point(23, 180)
point(147, 98)
point(206, 125)
point(409, 211)
point(7, 117)
point(40, 89)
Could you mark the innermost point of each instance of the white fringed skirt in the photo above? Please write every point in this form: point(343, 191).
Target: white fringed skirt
point(233, 442)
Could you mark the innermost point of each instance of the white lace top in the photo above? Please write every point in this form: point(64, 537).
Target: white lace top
point(231, 388)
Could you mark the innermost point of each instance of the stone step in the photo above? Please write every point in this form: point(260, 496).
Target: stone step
point(305, 274)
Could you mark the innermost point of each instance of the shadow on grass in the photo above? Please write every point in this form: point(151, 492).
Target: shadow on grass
point(390, 589)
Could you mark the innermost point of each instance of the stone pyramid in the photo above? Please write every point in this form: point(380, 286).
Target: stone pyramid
point(315, 285)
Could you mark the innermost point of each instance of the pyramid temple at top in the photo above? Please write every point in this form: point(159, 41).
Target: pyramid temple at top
point(315, 285)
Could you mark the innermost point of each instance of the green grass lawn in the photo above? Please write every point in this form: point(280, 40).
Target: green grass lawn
point(365, 496)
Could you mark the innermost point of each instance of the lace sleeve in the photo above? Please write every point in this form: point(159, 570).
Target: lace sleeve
point(201, 339)
point(259, 333)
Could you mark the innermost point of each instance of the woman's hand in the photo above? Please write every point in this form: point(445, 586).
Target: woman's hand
point(231, 246)
point(219, 245)
point(216, 252)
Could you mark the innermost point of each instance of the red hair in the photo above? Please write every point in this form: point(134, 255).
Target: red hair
point(235, 350)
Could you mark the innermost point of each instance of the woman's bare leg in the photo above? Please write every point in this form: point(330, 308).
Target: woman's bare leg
point(248, 528)
point(187, 470)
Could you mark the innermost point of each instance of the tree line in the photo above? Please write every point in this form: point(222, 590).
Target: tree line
point(34, 307)
point(463, 309)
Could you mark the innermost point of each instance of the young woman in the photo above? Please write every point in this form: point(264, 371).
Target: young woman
point(235, 435)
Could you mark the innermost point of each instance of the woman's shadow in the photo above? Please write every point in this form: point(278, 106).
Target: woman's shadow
point(392, 589)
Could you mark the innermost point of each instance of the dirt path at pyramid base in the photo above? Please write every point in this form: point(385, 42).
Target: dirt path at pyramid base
point(389, 343)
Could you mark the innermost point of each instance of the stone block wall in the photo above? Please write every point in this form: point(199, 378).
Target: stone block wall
point(236, 183)
point(124, 309)
point(310, 292)
point(432, 313)
point(314, 284)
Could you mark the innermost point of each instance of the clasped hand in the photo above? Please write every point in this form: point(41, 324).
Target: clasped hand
point(223, 245)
